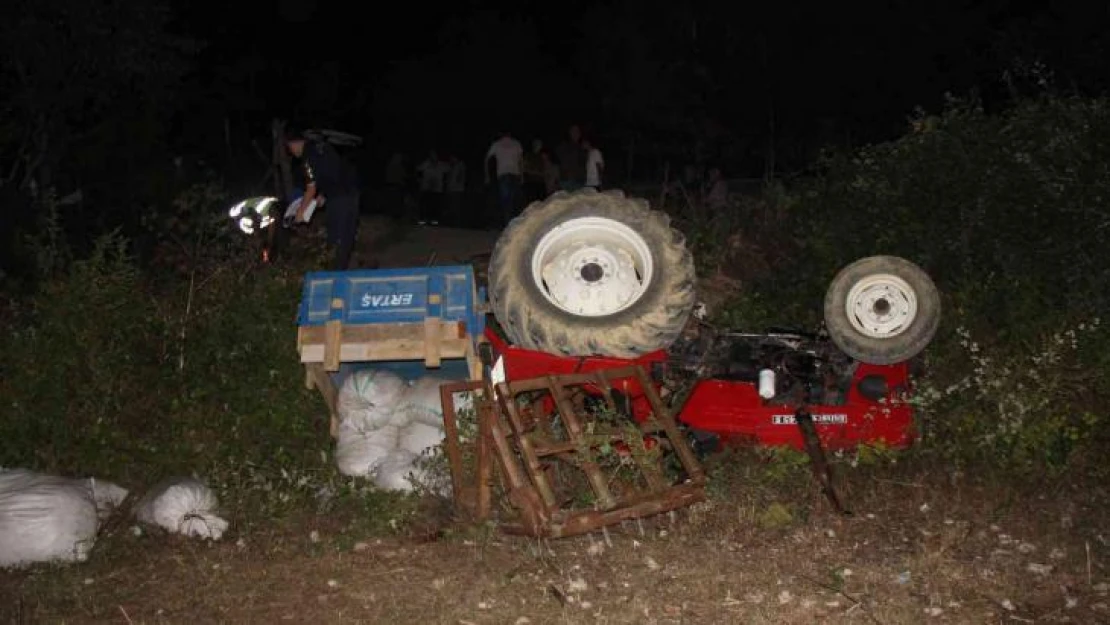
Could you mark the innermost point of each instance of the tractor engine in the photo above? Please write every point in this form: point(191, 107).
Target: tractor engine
point(788, 367)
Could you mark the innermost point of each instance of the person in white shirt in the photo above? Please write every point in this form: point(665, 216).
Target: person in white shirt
point(595, 164)
point(508, 154)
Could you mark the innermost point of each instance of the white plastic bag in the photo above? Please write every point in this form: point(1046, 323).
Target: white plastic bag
point(107, 496)
point(421, 402)
point(405, 471)
point(290, 216)
point(368, 397)
point(418, 437)
point(385, 424)
point(184, 506)
point(397, 471)
point(358, 453)
point(45, 518)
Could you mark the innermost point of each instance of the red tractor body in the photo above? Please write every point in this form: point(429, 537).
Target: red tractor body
point(734, 411)
point(857, 404)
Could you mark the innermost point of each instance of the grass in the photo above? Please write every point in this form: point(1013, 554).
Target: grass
point(922, 546)
point(970, 544)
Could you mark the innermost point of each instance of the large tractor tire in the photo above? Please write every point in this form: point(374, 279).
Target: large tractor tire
point(882, 309)
point(591, 274)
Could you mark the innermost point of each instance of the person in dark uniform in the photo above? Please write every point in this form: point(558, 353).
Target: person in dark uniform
point(328, 177)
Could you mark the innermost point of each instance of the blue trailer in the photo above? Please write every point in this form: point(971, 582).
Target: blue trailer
point(413, 321)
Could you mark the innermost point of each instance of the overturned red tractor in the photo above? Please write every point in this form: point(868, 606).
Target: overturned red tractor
point(588, 281)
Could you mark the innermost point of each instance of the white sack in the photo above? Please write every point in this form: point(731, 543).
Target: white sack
point(393, 472)
point(184, 506)
point(402, 468)
point(418, 437)
point(358, 453)
point(421, 402)
point(367, 398)
point(107, 496)
point(400, 418)
point(45, 518)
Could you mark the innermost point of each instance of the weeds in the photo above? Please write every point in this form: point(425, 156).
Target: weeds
point(187, 368)
point(1026, 407)
point(83, 361)
point(1007, 212)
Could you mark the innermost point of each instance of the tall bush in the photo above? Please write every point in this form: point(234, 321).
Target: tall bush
point(82, 367)
point(185, 366)
point(1011, 210)
point(1010, 213)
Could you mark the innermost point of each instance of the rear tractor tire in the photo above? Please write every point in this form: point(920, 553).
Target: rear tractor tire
point(592, 274)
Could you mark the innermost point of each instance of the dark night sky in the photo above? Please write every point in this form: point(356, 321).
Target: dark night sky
point(450, 74)
point(426, 71)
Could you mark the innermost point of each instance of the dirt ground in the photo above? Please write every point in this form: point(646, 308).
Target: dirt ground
point(390, 244)
point(924, 544)
point(921, 546)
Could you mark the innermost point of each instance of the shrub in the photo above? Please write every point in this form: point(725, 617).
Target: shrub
point(1009, 213)
point(1016, 405)
point(187, 368)
point(82, 368)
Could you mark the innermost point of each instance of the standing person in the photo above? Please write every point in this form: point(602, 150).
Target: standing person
point(572, 160)
point(456, 188)
point(550, 174)
point(433, 174)
point(534, 188)
point(329, 177)
point(595, 165)
point(508, 155)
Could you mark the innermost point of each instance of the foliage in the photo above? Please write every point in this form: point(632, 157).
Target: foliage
point(81, 368)
point(86, 92)
point(51, 253)
point(1009, 204)
point(63, 53)
point(735, 246)
point(1008, 213)
point(711, 235)
point(112, 373)
point(1026, 406)
point(191, 234)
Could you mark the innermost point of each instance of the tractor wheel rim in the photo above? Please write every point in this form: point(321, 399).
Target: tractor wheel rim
point(881, 306)
point(592, 266)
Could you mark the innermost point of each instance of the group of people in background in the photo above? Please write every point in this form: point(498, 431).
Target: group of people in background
point(519, 176)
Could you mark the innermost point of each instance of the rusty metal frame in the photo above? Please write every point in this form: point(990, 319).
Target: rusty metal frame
point(509, 433)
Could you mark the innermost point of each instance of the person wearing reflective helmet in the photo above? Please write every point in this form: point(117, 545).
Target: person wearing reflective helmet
point(331, 179)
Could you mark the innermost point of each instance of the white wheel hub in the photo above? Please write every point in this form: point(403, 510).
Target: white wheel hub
point(592, 266)
point(881, 306)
